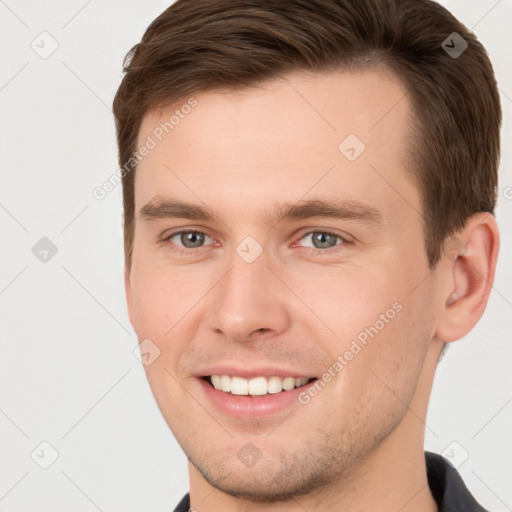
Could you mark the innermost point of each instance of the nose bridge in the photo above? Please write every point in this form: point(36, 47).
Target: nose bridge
point(247, 299)
point(245, 277)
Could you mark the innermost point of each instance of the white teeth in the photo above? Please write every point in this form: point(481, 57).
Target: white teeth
point(216, 381)
point(257, 385)
point(288, 383)
point(225, 382)
point(239, 386)
point(274, 385)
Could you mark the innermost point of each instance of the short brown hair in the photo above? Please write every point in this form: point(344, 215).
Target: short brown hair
point(198, 45)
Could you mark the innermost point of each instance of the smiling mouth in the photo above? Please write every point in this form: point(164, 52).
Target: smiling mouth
point(257, 386)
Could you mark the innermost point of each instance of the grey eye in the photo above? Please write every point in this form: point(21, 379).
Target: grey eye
point(189, 239)
point(323, 239)
point(192, 239)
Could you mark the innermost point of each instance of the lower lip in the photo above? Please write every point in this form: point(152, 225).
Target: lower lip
point(241, 406)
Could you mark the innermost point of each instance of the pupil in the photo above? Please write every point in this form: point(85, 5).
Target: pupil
point(322, 238)
point(192, 239)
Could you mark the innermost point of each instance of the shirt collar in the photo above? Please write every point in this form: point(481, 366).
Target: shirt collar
point(447, 486)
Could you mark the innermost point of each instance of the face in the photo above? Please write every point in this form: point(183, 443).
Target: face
point(277, 240)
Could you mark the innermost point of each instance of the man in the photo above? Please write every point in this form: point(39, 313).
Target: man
point(309, 191)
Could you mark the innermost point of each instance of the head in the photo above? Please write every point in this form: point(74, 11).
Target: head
point(355, 160)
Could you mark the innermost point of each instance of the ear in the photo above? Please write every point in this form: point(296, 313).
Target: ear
point(128, 293)
point(470, 263)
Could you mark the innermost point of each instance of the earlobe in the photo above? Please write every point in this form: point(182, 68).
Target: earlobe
point(470, 259)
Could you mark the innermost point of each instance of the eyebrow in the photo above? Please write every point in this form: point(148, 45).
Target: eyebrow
point(305, 209)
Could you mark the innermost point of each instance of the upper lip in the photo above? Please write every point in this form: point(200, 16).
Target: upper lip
point(249, 373)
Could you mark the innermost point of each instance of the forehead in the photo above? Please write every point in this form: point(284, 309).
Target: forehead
point(342, 132)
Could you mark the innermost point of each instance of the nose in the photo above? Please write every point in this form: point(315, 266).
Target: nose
point(249, 302)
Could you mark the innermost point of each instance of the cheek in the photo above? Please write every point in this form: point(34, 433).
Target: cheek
point(346, 301)
point(162, 296)
point(382, 330)
point(379, 376)
point(395, 358)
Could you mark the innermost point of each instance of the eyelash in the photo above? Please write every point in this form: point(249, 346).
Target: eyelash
point(314, 250)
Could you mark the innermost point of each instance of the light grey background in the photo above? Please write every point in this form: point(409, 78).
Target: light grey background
point(68, 376)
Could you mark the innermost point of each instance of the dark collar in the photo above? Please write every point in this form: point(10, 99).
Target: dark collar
point(447, 486)
point(445, 483)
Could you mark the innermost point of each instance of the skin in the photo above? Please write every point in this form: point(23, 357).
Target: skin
point(358, 445)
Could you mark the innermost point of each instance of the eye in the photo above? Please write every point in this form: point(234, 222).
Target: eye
point(188, 239)
point(322, 241)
